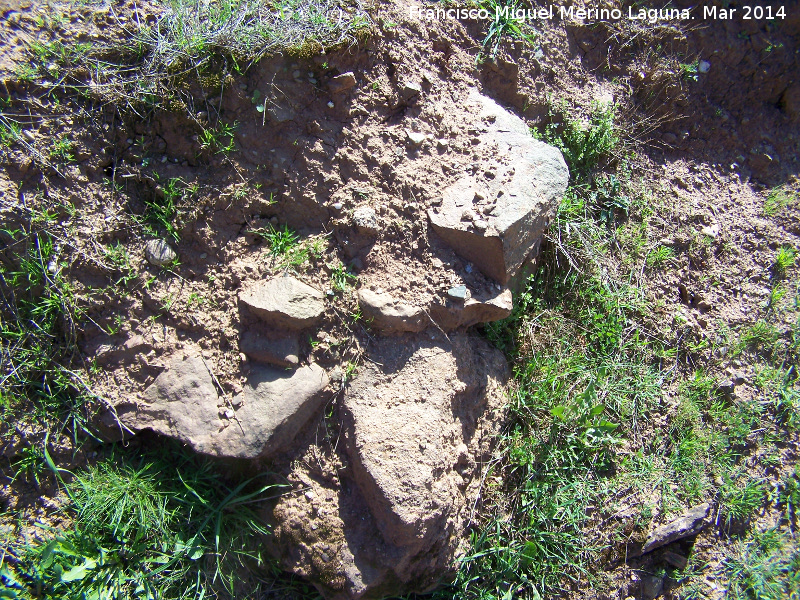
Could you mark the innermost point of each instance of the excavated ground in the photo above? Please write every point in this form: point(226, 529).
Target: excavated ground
point(359, 167)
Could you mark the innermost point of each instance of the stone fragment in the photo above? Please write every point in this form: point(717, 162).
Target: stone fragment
point(342, 82)
point(711, 231)
point(183, 403)
point(365, 219)
point(284, 302)
point(159, 253)
point(283, 351)
point(389, 315)
point(651, 586)
point(704, 66)
point(530, 180)
point(457, 293)
point(688, 524)
point(674, 559)
point(410, 90)
point(276, 404)
point(415, 137)
point(475, 310)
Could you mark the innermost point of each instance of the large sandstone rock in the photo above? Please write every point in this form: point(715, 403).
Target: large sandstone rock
point(284, 302)
point(183, 403)
point(495, 216)
point(417, 423)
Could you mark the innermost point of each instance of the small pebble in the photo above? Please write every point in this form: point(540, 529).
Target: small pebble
point(330, 104)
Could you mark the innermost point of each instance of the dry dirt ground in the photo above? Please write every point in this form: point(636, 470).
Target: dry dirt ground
point(709, 116)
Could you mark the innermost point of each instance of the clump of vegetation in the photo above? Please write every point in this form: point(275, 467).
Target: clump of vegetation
point(147, 527)
point(777, 200)
point(767, 566)
point(192, 36)
point(784, 260)
point(161, 211)
point(585, 144)
point(38, 330)
point(503, 24)
point(287, 249)
point(218, 140)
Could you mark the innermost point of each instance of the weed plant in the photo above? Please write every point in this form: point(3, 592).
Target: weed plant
point(503, 25)
point(40, 312)
point(163, 525)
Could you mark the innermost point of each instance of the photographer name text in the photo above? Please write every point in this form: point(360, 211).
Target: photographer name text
point(571, 13)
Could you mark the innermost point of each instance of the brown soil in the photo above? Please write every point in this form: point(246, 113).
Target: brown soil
point(709, 148)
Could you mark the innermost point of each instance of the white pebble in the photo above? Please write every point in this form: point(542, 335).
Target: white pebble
point(330, 104)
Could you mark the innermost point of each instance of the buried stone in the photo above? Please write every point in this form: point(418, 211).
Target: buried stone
point(528, 180)
point(183, 403)
point(284, 302)
point(417, 424)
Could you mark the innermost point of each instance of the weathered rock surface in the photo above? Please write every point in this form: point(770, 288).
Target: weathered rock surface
point(365, 219)
point(159, 253)
point(517, 194)
point(688, 524)
point(393, 316)
point(457, 314)
point(342, 83)
point(183, 403)
point(276, 404)
point(389, 315)
point(283, 351)
point(417, 423)
point(284, 302)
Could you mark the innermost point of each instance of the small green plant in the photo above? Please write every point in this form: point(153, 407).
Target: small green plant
point(62, 150)
point(789, 495)
point(341, 279)
point(777, 200)
point(162, 212)
point(121, 263)
point(609, 199)
point(659, 256)
point(195, 300)
point(739, 501)
point(584, 144)
point(690, 70)
point(349, 372)
point(503, 23)
point(281, 240)
point(10, 131)
point(761, 335)
point(30, 463)
point(219, 140)
point(784, 260)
